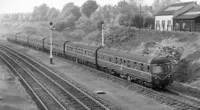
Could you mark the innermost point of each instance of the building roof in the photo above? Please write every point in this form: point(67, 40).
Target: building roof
point(173, 8)
point(191, 14)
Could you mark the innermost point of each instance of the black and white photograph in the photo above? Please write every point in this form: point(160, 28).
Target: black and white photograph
point(99, 54)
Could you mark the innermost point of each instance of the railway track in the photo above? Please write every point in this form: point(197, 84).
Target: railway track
point(68, 95)
point(45, 99)
point(163, 97)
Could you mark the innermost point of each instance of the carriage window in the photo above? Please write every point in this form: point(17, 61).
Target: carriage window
point(81, 51)
point(116, 60)
point(87, 52)
point(110, 59)
point(102, 56)
point(124, 62)
point(121, 61)
point(148, 68)
point(134, 64)
point(142, 67)
point(91, 54)
point(128, 63)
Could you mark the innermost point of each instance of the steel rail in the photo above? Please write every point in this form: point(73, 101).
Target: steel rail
point(36, 65)
point(158, 96)
point(56, 105)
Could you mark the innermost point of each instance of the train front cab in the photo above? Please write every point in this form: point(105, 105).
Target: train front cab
point(161, 72)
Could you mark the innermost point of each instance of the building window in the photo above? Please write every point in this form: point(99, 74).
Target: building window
point(169, 25)
point(183, 26)
point(177, 27)
point(157, 25)
point(163, 24)
point(187, 27)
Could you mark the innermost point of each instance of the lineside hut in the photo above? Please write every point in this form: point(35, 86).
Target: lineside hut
point(189, 21)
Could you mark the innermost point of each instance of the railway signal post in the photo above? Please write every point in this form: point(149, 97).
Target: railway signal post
point(52, 27)
point(102, 32)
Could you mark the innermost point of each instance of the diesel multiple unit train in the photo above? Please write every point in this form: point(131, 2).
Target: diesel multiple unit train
point(150, 71)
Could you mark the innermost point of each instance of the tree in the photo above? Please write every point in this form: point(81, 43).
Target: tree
point(137, 21)
point(121, 19)
point(126, 12)
point(35, 14)
point(40, 13)
point(89, 7)
point(96, 16)
point(149, 22)
point(85, 24)
point(158, 4)
point(107, 12)
point(69, 9)
point(15, 17)
point(68, 16)
point(52, 14)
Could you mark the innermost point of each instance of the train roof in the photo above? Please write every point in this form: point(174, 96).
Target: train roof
point(35, 37)
point(160, 60)
point(127, 55)
point(84, 46)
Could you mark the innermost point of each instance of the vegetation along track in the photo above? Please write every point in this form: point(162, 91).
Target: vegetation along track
point(68, 95)
point(164, 97)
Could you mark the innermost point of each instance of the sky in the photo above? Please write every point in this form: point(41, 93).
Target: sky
point(15, 6)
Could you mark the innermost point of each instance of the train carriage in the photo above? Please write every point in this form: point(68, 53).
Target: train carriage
point(11, 38)
point(70, 50)
point(21, 38)
point(85, 52)
point(146, 69)
point(129, 66)
point(36, 42)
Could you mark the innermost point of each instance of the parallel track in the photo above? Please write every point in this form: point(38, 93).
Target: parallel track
point(75, 97)
point(44, 98)
point(161, 97)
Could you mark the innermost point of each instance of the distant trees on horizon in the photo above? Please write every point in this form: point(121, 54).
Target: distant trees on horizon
point(87, 17)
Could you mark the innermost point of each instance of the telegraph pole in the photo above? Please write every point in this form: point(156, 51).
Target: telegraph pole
point(52, 27)
point(102, 32)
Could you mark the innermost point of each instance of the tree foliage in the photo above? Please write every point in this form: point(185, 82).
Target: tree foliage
point(40, 13)
point(96, 16)
point(149, 22)
point(68, 16)
point(89, 7)
point(159, 4)
point(52, 14)
point(137, 21)
point(85, 24)
point(121, 19)
point(70, 10)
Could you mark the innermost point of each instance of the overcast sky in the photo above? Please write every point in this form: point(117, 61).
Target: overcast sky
point(14, 6)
